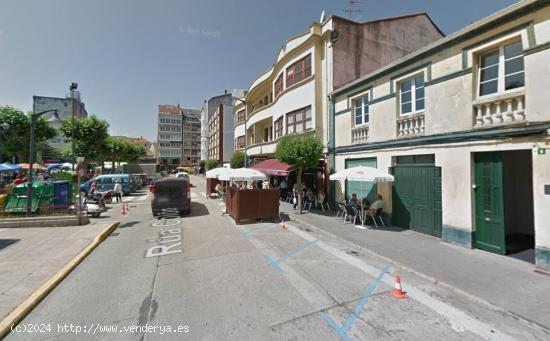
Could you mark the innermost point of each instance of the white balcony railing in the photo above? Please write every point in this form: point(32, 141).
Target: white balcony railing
point(499, 111)
point(360, 134)
point(410, 125)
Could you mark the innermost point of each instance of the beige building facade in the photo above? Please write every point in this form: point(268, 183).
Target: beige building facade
point(463, 124)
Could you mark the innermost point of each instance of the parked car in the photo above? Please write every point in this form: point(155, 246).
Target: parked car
point(183, 175)
point(107, 183)
point(171, 194)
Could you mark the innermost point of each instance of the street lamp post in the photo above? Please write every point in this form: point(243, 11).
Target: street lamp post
point(245, 119)
point(34, 118)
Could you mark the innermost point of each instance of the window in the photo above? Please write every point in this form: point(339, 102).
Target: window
point(278, 128)
point(298, 121)
point(501, 69)
point(298, 71)
point(239, 142)
point(362, 110)
point(239, 117)
point(279, 85)
point(412, 95)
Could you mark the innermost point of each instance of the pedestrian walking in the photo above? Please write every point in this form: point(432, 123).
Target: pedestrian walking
point(117, 191)
point(93, 187)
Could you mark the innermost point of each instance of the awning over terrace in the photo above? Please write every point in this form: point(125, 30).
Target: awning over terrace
point(273, 167)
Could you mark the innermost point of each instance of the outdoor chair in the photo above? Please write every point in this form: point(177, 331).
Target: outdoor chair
point(352, 212)
point(307, 203)
point(377, 214)
point(341, 212)
point(321, 200)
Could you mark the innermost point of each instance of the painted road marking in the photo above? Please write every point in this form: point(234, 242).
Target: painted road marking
point(458, 319)
point(168, 240)
point(343, 330)
point(164, 223)
point(221, 204)
point(246, 233)
point(203, 194)
point(275, 263)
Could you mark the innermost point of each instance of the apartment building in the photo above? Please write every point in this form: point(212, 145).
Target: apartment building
point(217, 131)
point(191, 137)
point(290, 97)
point(463, 124)
point(169, 135)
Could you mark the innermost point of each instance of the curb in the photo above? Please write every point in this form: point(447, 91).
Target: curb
point(39, 294)
point(433, 280)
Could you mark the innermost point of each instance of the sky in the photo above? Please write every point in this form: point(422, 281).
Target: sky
point(129, 56)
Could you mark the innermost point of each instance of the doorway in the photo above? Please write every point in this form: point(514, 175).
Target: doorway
point(503, 192)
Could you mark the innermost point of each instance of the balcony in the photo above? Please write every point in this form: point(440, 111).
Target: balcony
point(499, 110)
point(411, 125)
point(360, 134)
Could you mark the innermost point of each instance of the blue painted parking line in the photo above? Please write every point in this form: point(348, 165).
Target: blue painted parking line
point(246, 233)
point(343, 330)
point(276, 263)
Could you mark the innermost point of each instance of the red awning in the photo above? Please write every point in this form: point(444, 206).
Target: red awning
point(273, 167)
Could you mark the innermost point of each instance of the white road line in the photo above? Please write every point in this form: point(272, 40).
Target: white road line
point(459, 320)
point(221, 203)
point(143, 198)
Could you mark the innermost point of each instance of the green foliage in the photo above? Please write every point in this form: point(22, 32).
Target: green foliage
point(237, 160)
point(15, 141)
point(90, 136)
point(211, 164)
point(302, 151)
point(121, 150)
point(202, 163)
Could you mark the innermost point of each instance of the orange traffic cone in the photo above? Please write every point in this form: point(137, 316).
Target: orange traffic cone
point(282, 225)
point(398, 292)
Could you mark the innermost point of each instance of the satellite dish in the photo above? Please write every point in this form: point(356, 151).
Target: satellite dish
point(322, 16)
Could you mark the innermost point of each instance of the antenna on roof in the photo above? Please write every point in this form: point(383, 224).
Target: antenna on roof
point(350, 10)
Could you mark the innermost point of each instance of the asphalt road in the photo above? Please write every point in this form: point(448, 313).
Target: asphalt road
point(201, 277)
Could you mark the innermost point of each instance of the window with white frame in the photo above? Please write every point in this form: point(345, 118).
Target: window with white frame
point(412, 95)
point(361, 107)
point(501, 69)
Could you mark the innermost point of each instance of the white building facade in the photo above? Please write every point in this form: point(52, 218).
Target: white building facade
point(463, 124)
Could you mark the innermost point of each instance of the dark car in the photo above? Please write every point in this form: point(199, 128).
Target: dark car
point(170, 195)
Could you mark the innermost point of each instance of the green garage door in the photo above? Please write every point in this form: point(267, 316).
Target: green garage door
point(362, 189)
point(417, 195)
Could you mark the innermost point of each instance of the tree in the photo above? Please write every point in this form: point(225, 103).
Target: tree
point(90, 135)
point(118, 149)
point(237, 160)
point(211, 164)
point(302, 151)
point(16, 140)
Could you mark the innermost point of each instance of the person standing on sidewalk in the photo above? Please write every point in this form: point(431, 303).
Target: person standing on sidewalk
point(117, 190)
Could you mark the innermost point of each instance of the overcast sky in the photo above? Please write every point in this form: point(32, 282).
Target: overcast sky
point(128, 56)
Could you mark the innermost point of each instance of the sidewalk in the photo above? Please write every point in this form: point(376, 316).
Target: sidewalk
point(504, 282)
point(29, 257)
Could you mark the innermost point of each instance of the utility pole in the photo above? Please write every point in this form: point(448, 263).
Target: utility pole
point(72, 89)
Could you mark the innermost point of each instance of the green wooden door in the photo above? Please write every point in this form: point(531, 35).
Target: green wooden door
point(361, 188)
point(417, 198)
point(489, 203)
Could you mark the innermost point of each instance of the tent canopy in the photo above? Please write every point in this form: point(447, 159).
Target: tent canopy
point(9, 167)
point(242, 174)
point(362, 173)
point(273, 167)
point(217, 172)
